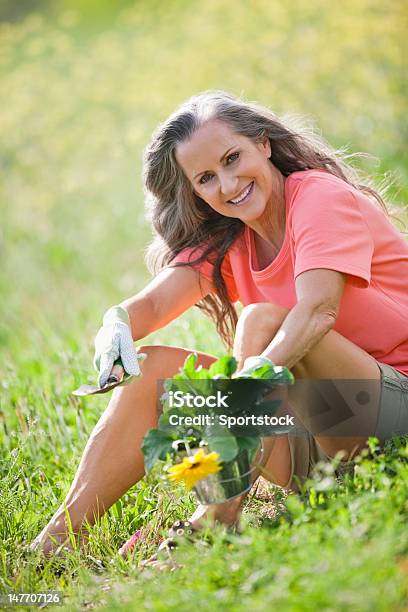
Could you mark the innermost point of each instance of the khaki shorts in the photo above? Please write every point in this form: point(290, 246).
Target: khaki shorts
point(392, 420)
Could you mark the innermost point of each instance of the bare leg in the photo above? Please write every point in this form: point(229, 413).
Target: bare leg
point(333, 357)
point(251, 338)
point(112, 460)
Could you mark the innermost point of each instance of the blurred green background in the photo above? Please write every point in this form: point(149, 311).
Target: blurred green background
point(85, 82)
point(83, 85)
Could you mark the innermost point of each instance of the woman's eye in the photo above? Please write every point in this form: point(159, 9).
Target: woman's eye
point(233, 157)
point(205, 178)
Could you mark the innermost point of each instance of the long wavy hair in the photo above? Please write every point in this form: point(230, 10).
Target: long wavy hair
point(181, 219)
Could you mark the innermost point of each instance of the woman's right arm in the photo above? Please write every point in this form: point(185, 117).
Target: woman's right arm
point(166, 297)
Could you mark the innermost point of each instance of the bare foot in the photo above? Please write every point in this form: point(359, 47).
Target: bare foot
point(54, 539)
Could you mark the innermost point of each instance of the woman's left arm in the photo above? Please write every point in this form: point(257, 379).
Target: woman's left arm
point(319, 295)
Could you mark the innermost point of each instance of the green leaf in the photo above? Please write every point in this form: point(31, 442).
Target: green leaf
point(249, 443)
point(283, 376)
point(269, 407)
point(188, 369)
point(225, 366)
point(182, 383)
point(264, 371)
point(156, 445)
point(225, 446)
point(279, 374)
point(245, 393)
point(202, 374)
point(179, 430)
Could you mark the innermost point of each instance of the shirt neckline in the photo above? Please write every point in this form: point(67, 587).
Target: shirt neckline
point(280, 257)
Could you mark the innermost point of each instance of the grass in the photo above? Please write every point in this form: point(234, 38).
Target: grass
point(308, 551)
point(83, 93)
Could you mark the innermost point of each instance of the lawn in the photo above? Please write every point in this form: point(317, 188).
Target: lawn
point(84, 86)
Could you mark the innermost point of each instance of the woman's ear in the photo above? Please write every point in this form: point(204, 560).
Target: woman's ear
point(265, 146)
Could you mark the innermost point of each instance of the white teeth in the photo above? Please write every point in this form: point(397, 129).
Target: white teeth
point(243, 196)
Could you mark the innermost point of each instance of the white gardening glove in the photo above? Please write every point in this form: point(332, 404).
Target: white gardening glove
point(251, 364)
point(114, 342)
point(278, 375)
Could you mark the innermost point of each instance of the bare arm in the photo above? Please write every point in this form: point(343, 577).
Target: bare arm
point(166, 297)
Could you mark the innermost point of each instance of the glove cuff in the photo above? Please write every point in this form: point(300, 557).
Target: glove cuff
point(116, 314)
point(256, 361)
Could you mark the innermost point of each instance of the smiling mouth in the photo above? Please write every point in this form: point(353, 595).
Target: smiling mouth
point(243, 196)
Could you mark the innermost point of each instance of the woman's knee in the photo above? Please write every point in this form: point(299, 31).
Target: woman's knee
point(257, 326)
point(262, 315)
point(163, 360)
point(156, 355)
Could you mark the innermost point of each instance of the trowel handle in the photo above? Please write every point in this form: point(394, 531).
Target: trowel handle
point(117, 372)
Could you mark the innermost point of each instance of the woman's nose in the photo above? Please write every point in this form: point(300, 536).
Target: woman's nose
point(228, 185)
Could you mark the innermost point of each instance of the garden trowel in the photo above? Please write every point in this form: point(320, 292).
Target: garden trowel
point(116, 377)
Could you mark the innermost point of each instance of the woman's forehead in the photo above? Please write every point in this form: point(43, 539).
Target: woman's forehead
point(206, 147)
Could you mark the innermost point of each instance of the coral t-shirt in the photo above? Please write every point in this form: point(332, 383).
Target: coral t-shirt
point(331, 225)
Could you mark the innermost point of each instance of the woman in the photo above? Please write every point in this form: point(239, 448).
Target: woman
point(246, 208)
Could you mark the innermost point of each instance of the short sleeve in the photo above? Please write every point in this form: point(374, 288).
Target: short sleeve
point(329, 231)
point(206, 269)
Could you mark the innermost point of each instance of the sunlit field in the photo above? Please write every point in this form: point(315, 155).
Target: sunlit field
point(83, 87)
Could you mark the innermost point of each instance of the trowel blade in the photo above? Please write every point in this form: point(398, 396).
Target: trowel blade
point(93, 390)
point(84, 390)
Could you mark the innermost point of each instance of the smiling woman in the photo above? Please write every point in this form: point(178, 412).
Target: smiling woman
point(241, 184)
point(238, 179)
point(233, 175)
point(245, 207)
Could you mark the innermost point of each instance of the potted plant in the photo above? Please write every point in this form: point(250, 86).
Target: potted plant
point(212, 424)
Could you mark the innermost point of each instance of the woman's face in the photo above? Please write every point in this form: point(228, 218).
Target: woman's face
point(230, 172)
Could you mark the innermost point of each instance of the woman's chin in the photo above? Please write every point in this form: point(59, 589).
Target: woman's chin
point(250, 212)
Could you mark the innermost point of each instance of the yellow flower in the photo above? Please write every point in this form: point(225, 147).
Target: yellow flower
point(194, 468)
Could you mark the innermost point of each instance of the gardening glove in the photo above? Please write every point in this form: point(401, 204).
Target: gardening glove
point(114, 345)
point(251, 364)
point(277, 375)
